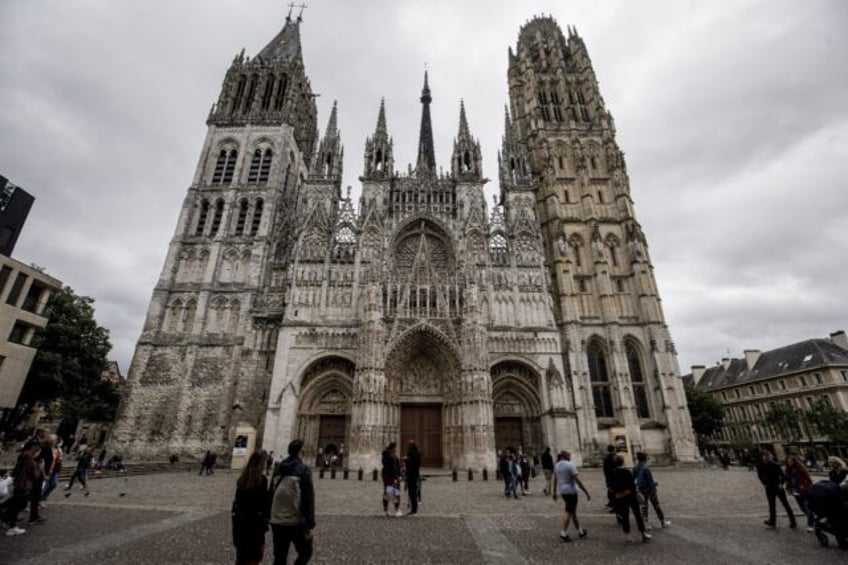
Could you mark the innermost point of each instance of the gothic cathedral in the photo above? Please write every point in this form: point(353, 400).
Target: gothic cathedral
point(418, 313)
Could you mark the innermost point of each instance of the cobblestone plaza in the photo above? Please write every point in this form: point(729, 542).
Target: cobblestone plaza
point(716, 517)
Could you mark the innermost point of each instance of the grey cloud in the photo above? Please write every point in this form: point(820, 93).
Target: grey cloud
point(732, 117)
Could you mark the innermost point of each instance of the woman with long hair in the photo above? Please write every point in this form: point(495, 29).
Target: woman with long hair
point(251, 511)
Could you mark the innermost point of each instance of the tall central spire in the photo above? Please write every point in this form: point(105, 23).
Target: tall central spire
point(426, 153)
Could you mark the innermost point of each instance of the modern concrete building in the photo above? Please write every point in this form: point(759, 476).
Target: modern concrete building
point(24, 295)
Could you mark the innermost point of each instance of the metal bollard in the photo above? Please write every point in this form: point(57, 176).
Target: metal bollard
point(470, 474)
point(359, 474)
point(497, 474)
point(345, 473)
point(374, 474)
point(333, 473)
point(485, 474)
point(321, 473)
point(455, 475)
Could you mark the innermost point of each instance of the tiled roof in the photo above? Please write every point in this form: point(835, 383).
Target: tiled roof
point(793, 358)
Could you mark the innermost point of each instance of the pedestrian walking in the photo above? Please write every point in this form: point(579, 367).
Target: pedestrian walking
point(24, 473)
point(564, 481)
point(293, 507)
point(772, 477)
point(55, 467)
point(81, 472)
point(548, 469)
point(391, 475)
point(251, 511)
point(43, 461)
point(624, 491)
point(517, 475)
point(206, 463)
point(413, 475)
point(506, 474)
point(647, 490)
point(798, 484)
point(609, 472)
point(524, 466)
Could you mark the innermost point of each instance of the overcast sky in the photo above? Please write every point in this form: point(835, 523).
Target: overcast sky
point(733, 117)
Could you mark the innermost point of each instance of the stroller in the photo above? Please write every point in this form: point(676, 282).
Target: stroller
point(829, 503)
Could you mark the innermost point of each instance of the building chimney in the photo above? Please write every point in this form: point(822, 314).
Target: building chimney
point(840, 339)
point(697, 373)
point(725, 362)
point(751, 357)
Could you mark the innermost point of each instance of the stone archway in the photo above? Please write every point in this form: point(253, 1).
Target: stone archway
point(517, 407)
point(421, 371)
point(323, 414)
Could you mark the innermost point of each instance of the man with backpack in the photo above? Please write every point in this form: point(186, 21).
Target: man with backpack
point(293, 507)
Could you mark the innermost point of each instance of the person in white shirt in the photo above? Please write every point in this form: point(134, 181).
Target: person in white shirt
point(564, 482)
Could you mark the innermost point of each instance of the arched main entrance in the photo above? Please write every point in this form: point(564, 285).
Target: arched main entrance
point(323, 415)
point(420, 370)
point(517, 407)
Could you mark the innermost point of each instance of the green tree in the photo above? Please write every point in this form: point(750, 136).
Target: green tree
point(706, 412)
point(66, 372)
point(828, 421)
point(785, 420)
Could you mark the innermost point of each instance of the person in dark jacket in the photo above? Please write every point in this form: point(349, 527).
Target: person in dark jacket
point(413, 475)
point(81, 472)
point(772, 477)
point(647, 487)
point(251, 511)
point(798, 483)
point(293, 507)
point(547, 468)
point(609, 472)
point(25, 474)
point(391, 475)
point(624, 491)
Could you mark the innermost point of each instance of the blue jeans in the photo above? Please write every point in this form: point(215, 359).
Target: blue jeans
point(50, 485)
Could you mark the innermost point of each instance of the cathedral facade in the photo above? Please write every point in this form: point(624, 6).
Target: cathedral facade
point(419, 312)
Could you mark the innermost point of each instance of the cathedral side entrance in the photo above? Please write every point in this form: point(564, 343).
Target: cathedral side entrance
point(423, 423)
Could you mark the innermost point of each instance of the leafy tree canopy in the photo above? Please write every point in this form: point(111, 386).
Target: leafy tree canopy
point(70, 359)
point(706, 412)
point(827, 420)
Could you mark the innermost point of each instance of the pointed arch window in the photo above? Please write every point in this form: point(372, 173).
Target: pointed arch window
point(269, 91)
point(202, 216)
point(280, 97)
point(229, 167)
point(599, 377)
point(257, 217)
point(637, 379)
point(241, 220)
point(219, 214)
point(239, 94)
point(225, 166)
point(251, 90)
point(260, 167)
point(265, 166)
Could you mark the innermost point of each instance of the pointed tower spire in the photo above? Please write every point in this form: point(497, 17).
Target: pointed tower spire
point(381, 117)
point(466, 163)
point(332, 124)
point(426, 152)
point(378, 149)
point(327, 164)
point(463, 122)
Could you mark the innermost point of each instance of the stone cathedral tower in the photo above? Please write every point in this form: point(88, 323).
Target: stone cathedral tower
point(418, 313)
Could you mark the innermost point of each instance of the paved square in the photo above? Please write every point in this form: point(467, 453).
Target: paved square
point(182, 518)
